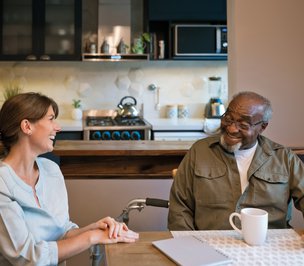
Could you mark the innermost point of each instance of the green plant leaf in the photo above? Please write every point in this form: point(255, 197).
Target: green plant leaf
point(76, 103)
point(11, 90)
point(146, 37)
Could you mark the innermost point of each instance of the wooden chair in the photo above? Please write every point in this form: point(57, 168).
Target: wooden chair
point(174, 172)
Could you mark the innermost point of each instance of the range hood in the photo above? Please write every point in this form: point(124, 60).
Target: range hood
point(117, 20)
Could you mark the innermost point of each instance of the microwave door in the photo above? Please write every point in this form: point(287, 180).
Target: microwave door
point(198, 40)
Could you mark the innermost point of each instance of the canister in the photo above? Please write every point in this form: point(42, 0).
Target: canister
point(183, 111)
point(171, 111)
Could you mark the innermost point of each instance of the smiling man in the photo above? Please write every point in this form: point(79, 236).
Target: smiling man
point(236, 169)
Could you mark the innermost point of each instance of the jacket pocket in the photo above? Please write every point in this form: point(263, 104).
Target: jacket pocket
point(270, 188)
point(210, 172)
point(272, 177)
point(211, 185)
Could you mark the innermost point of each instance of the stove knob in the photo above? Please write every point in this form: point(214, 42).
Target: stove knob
point(96, 135)
point(106, 135)
point(125, 135)
point(116, 135)
point(135, 135)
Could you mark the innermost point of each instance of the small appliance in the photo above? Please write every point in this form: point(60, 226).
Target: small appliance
point(214, 108)
point(200, 41)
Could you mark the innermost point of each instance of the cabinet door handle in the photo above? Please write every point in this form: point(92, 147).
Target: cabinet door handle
point(45, 57)
point(31, 57)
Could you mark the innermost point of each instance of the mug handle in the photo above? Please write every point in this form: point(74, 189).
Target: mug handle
point(232, 223)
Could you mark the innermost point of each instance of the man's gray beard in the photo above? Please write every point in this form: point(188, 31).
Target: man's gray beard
point(228, 148)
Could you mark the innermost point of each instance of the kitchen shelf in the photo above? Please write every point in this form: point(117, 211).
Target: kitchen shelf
point(114, 57)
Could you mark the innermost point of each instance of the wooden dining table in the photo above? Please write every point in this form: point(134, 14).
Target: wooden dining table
point(142, 252)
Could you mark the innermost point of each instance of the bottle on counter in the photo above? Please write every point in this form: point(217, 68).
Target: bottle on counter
point(92, 48)
point(121, 47)
point(161, 45)
point(105, 47)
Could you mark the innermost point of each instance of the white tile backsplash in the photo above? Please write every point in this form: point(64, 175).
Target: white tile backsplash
point(101, 85)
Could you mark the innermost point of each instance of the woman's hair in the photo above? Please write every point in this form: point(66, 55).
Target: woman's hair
point(31, 106)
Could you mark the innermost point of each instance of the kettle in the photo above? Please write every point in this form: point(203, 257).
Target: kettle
point(215, 108)
point(127, 109)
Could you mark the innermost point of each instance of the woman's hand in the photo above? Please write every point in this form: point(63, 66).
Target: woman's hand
point(115, 229)
point(102, 237)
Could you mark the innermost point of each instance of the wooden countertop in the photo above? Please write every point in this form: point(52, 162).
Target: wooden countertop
point(91, 159)
point(112, 148)
point(120, 159)
point(137, 148)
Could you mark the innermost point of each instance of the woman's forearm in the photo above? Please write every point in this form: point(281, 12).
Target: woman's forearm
point(76, 242)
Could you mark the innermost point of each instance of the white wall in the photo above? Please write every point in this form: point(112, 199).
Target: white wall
point(101, 85)
point(266, 55)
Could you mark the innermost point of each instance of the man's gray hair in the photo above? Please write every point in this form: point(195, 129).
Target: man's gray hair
point(263, 101)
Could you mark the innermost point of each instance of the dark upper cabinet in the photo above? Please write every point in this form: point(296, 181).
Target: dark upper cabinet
point(188, 10)
point(163, 16)
point(40, 30)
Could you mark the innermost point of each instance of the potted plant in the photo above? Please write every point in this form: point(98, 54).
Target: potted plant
point(76, 112)
point(140, 43)
point(11, 90)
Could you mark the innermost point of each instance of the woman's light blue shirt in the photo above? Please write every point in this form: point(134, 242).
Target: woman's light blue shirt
point(29, 232)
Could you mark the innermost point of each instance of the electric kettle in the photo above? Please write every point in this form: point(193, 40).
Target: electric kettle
point(127, 109)
point(214, 108)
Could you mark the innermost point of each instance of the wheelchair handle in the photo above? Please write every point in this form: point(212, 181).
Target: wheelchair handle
point(157, 202)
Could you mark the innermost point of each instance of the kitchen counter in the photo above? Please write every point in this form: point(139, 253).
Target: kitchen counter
point(123, 159)
point(120, 159)
point(157, 124)
point(129, 148)
point(176, 124)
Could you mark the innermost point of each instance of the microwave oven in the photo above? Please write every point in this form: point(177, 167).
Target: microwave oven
point(200, 41)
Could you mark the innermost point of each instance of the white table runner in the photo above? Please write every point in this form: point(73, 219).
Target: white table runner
point(282, 247)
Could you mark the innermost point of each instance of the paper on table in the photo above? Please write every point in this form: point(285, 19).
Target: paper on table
point(191, 251)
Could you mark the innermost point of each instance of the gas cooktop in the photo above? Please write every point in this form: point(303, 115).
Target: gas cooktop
point(106, 125)
point(106, 121)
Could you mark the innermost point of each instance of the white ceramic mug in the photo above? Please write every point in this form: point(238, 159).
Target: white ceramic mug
point(254, 223)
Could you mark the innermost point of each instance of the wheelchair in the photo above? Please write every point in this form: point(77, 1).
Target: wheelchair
point(97, 251)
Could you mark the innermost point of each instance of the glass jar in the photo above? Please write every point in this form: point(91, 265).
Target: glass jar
point(215, 87)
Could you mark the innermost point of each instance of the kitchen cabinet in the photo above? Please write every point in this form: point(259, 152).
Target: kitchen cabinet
point(162, 15)
point(187, 10)
point(40, 30)
point(120, 24)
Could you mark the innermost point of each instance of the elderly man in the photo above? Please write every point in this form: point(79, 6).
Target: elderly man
point(236, 169)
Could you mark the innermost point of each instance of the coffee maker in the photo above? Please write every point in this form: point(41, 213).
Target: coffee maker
point(215, 107)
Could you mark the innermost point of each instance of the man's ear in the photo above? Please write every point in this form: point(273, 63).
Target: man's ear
point(263, 126)
point(26, 127)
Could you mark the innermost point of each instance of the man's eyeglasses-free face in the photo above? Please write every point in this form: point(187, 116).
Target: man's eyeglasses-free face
point(242, 125)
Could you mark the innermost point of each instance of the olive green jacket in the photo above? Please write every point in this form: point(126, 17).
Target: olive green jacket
point(207, 189)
